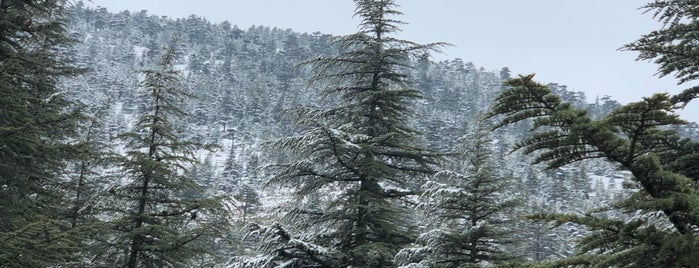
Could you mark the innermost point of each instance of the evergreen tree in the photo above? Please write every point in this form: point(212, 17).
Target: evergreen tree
point(84, 186)
point(36, 126)
point(634, 136)
point(279, 248)
point(640, 138)
point(249, 200)
point(673, 47)
point(158, 219)
point(362, 149)
point(469, 209)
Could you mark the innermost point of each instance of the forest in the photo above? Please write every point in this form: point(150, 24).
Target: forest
point(133, 140)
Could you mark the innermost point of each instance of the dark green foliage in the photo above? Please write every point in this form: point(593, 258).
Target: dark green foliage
point(673, 47)
point(82, 184)
point(249, 200)
point(239, 73)
point(85, 185)
point(158, 219)
point(469, 210)
point(361, 149)
point(36, 124)
point(636, 137)
point(280, 248)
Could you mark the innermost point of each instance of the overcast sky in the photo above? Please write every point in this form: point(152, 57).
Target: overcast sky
point(567, 42)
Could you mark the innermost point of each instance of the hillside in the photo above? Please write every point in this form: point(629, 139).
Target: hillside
point(245, 79)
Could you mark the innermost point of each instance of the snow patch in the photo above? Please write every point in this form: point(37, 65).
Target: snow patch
point(139, 52)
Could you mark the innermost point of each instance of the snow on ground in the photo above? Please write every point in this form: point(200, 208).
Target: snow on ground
point(218, 158)
point(139, 52)
point(615, 182)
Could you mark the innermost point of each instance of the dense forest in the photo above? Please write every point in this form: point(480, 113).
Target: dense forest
point(132, 140)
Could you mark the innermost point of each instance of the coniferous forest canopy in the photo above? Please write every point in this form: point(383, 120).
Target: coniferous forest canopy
point(132, 140)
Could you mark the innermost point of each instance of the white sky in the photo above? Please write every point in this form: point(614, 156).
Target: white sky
point(569, 42)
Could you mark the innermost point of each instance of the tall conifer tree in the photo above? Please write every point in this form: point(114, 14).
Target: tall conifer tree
point(36, 124)
point(467, 207)
point(361, 150)
point(635, 137)
point(158, 223)
point(639, 138)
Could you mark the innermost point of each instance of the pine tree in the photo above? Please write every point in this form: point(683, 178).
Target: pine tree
point(362, 149)
point(84, 187)
point(37, 122)
point(469, 210)
point(158, 219)
point(82, 184)
point(640, 138)
point(637, 138)
point(279, 248)
point(673, 46)
point(249, 200)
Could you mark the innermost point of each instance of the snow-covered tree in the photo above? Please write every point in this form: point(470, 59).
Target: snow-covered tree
point(279, 248)
point(469, 209)
point(360, 152)
point(249, 200)
point(243, 78)
point(159, 221)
